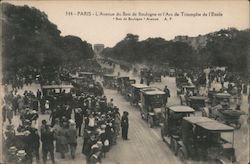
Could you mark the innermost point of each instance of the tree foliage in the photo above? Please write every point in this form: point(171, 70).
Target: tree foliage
point(29, 38)
point(227, 47)
point(153, 50)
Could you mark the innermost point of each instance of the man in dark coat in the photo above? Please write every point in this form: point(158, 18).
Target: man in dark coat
point(71, 136)
point(47, 138)
point(125, 125)
point(166, 90)
point(67, 111)
point(79, 119)
point(38, 94)
point(35, 143)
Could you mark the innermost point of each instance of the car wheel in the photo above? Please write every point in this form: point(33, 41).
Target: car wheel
point(233, 158)
point(238, 125)
point(174, 146)
point(181, 155)
point(142, 116)
point(162, 134)
point(150, 122)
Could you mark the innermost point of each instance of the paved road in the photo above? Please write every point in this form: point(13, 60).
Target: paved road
point(145, 145)
point(241, 142)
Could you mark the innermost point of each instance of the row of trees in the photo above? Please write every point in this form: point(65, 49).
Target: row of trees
point(224, 48)
point(30, 39)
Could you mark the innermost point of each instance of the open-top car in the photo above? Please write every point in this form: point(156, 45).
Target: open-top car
point(109, 81)
point(221, 110)
point(134, 94)
point(171, 129)
point(218, 98)
point(152, 104)
point(185, 92)
point(204, 139)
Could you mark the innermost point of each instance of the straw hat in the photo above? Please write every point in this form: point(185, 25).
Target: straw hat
point(71, 121)
point(94, 146)
point(21, 153)
point(103, 126)
point(26, 132)
point(12, 149)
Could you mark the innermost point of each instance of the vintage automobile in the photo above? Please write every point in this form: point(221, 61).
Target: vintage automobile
point(171, 129)
point(220, 110)
point(204, 139)
point(121, 83)
point(62, 93)
point(171, 72)
point(55, 90)
point(83, 79)
point(148, 76)
point(210, 95)
point(157, 76)
point(197, 102)
point(134, 94)
point(218, 98)
point(132, 81)
point(186, 92)
point(109, 81)
point(127, 88)
point(144, 72)
point(185, 89)
point(152, 104)
point(85, 85)
point(181, 81)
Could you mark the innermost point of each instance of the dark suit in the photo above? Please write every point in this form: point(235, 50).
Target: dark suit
point(124, 125)
point(47, 138)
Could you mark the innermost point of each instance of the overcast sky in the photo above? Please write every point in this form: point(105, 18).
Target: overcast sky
point(103, 29)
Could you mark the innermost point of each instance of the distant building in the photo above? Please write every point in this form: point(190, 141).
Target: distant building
point(196, 42)
point(98, 48)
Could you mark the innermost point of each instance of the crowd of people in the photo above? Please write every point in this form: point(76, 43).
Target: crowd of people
point(71, 118)
point(49, 74)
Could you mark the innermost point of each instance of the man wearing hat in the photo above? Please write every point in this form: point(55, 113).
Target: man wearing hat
point(125, 125)
point(44, 124)
point(166, 90)
point(88, 145)
point(35, 139)
point(11, 156)
point(21, 156)
point(110, 104)
point(47, 138)
point(27, 140)
point(79, 119)
point(95, 156)
point(71, 136)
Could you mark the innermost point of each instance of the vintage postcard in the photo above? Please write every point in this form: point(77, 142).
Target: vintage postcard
point(124, 82)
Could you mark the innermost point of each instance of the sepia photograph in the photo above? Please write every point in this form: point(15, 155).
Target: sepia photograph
point(124, 82)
